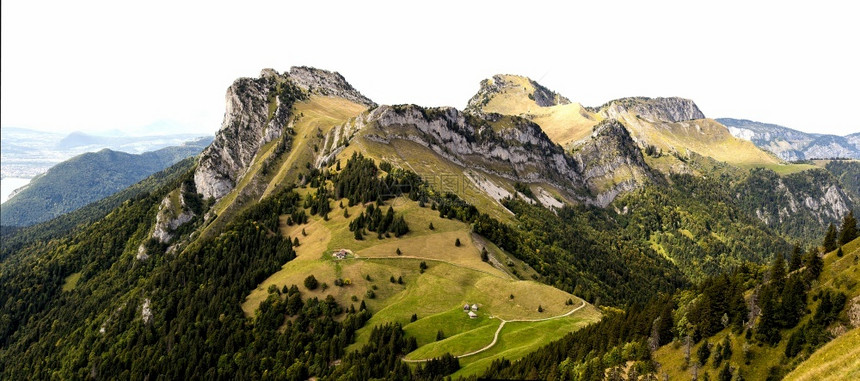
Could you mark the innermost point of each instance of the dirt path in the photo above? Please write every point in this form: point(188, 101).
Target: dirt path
point(499, 330)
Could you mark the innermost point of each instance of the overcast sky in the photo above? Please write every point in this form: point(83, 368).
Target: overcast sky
point(91, 66)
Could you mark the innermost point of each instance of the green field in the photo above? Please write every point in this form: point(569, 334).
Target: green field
point(454, 276)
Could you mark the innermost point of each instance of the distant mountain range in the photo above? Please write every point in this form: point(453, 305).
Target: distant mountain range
point(86, 178)
point(26, 153)
point(793, 145)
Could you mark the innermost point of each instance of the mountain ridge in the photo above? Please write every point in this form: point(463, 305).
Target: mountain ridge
point(790, 144)
point(87, 178)
point(320, 228)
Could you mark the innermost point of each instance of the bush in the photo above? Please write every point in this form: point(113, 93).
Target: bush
point(311, 283)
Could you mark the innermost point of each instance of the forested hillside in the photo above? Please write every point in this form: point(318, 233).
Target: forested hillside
point(754, 322)
point(87, 178)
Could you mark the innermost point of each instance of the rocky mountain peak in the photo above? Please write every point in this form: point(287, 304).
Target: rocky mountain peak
point(326, 83)
point(671, 109)
point(257, 112)
point(513, 84)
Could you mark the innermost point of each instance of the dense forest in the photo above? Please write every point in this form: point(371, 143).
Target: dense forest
point(777, 300)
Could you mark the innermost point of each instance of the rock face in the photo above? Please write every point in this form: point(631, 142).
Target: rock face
point(247, 126)
point(510, 147)
point(611, 163)
point(801, 203)
point(653, 109)
point(790, 144)
point(258, 111)
point(326, 83)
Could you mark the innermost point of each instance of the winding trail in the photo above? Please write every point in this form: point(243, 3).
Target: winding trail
point(499, 330)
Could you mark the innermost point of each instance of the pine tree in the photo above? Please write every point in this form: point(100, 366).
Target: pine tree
point(725, 373)
point(796, 259)
point(484, 255)
point(777, 272)
point(457, 242)
point(431, 224)
point(414, 318)
point(848, 231)
point(704, 353)
point(399, 252)
point(540, 308)
point(440, 335)
point(839, 252)
point(814, 264)
point(830, 239)
point(727, 348)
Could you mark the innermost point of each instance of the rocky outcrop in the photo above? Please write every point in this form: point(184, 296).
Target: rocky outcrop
point(257, 112)
point(801, 204)
point(611, 163)
point(171, 215)
point(491, 87)
point(511, 147)
point(326, 83)
point(653, 109)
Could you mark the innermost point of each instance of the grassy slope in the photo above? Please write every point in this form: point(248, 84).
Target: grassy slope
point(319, 114)
point(316, 112)
point(563, 124)
point(455, 276)
point(566, 124)
point(441, 174)
point(840, 274)
point(836, 360)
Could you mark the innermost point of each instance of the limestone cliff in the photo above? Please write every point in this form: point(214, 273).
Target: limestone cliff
point(653, 109)
point(510, 147)
point(801, 204)
point(257, 112)
point(611, 163)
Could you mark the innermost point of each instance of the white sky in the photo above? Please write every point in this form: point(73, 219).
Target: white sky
point(84, 65)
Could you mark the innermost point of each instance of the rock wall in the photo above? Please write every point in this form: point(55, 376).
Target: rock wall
point(247, 126)
point(654, 109)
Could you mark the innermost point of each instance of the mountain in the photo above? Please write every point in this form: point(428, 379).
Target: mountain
point(323, 235)
point(87, 178)
point(27, 153)
point(16, 237)
point(791, 144)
